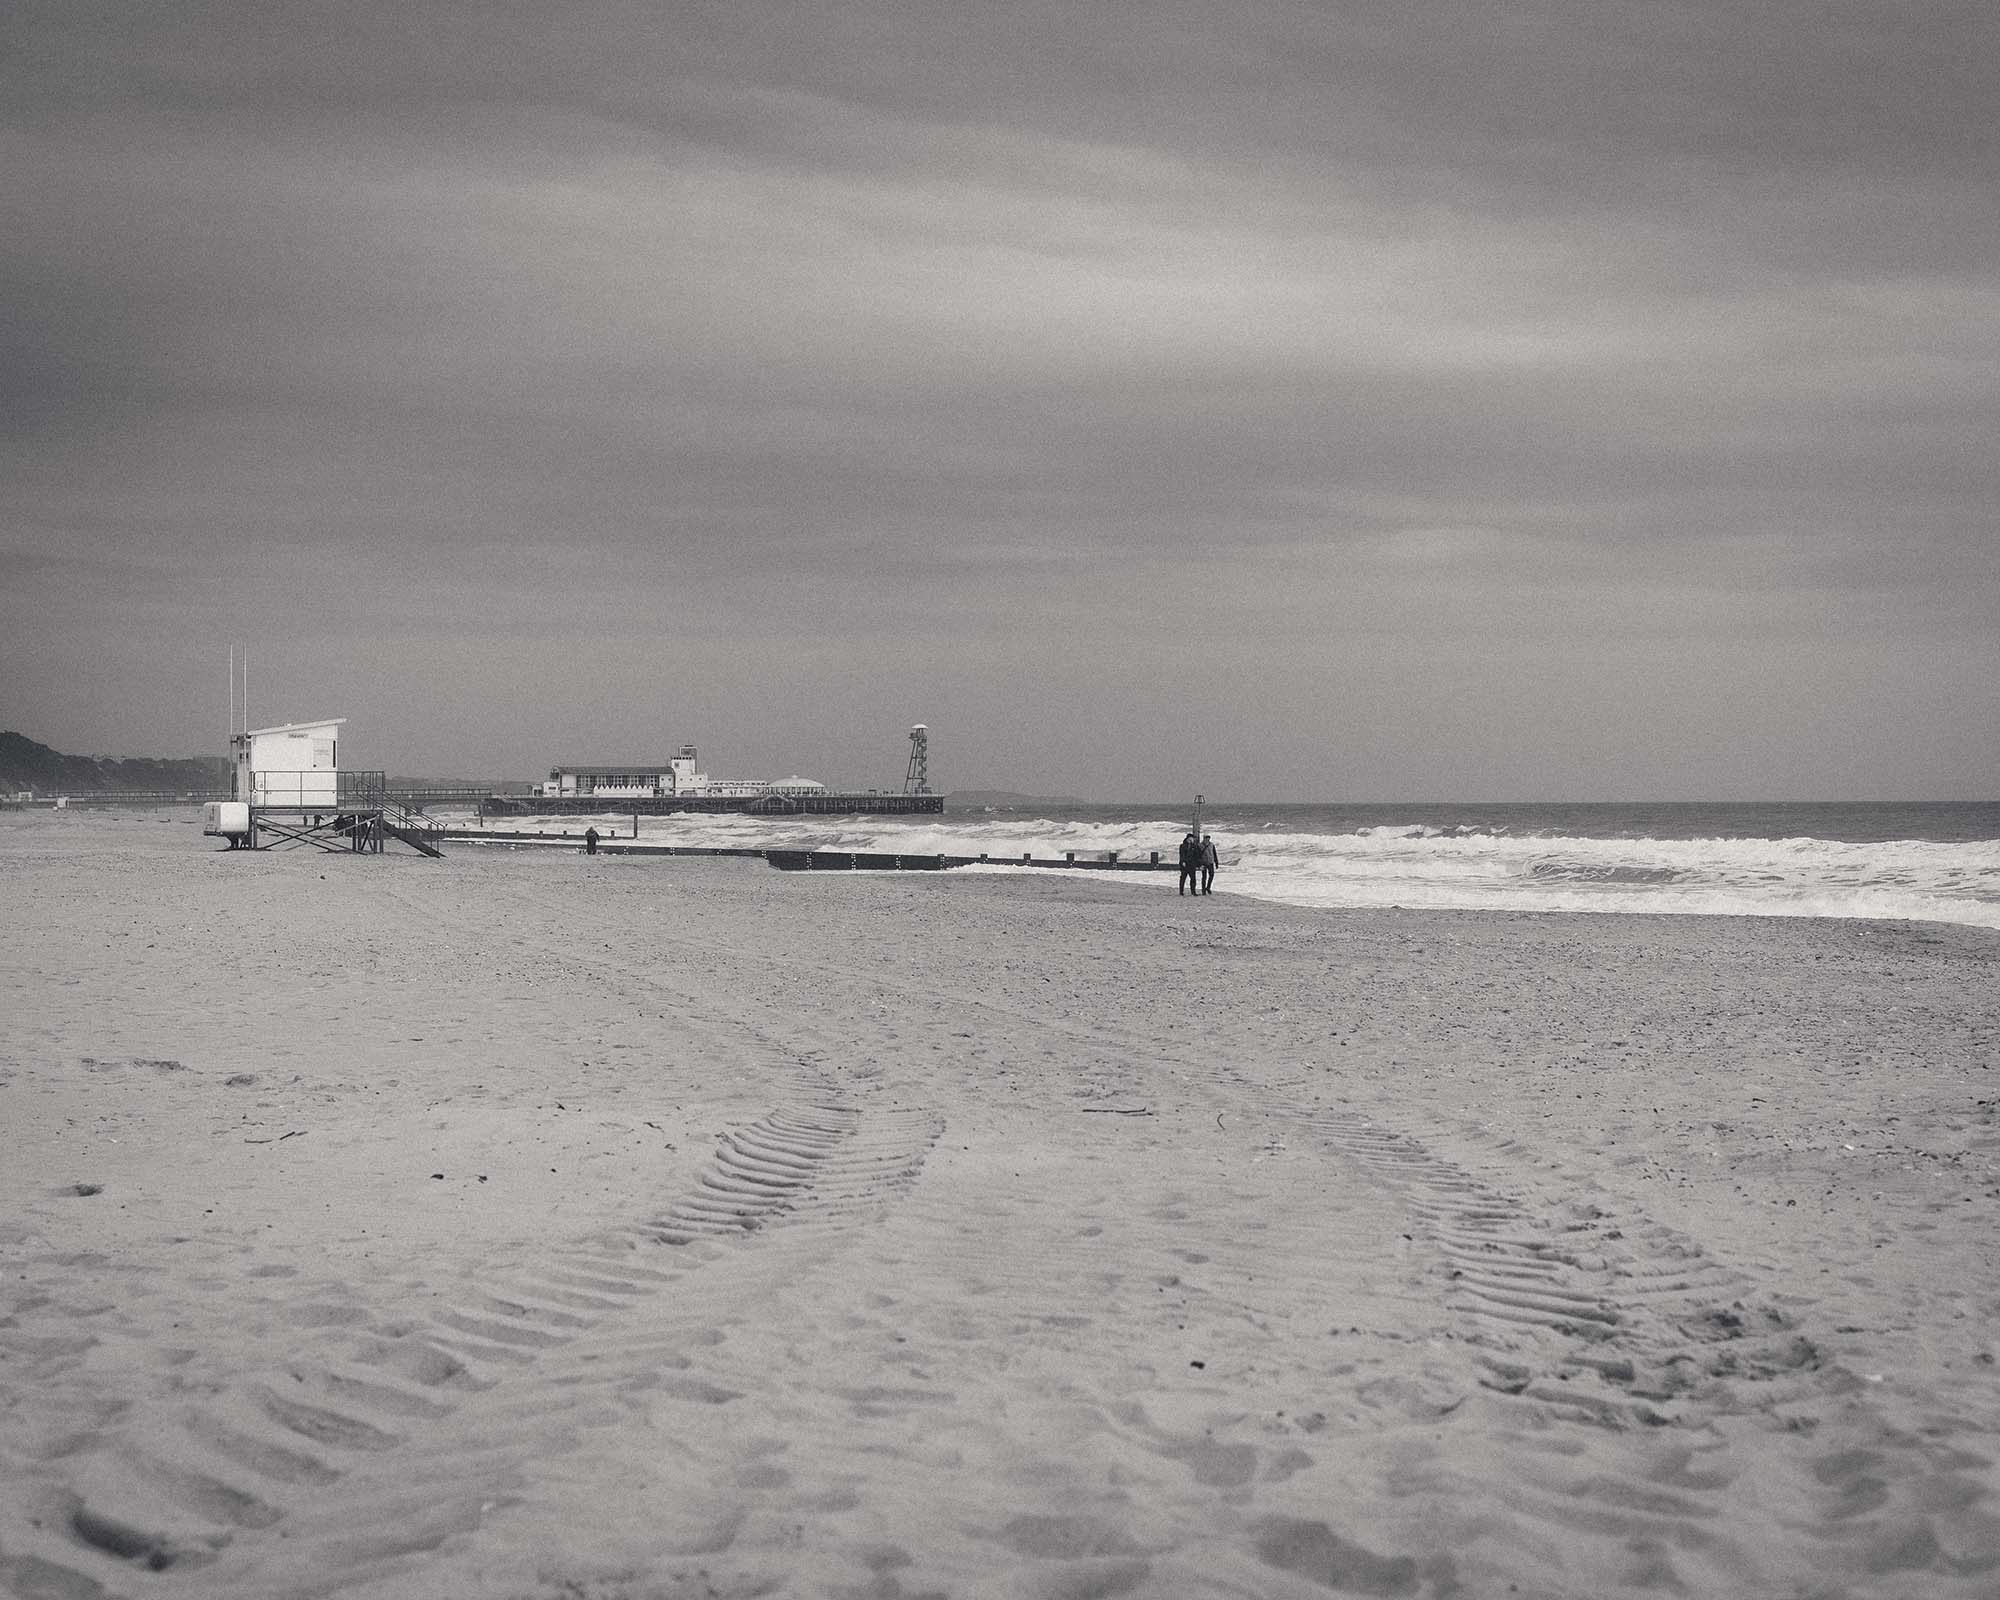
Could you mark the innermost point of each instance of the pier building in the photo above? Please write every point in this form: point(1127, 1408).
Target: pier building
point(657, 787)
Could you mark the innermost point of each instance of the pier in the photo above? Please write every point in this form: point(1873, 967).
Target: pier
point(820, 803)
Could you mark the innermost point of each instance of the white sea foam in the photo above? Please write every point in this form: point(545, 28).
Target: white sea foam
point(1429, 866)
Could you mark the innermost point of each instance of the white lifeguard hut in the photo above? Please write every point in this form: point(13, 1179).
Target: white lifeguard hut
point(294, 765)
point(290, 790)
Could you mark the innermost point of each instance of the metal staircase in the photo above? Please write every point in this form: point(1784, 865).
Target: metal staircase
point(415, 829)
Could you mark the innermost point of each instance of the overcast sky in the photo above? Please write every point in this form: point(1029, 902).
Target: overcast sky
point(1488, 399)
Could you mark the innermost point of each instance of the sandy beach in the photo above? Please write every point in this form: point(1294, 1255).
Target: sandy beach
point(528, 1225)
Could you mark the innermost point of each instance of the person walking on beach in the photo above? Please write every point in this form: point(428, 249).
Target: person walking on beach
point(590, 841)
point(1209, 862)
point(1190, 863)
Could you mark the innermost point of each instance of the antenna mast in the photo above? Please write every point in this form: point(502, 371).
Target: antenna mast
point(239, 714)
point(239, 690)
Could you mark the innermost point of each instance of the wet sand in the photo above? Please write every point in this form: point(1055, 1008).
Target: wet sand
point(528, 1225)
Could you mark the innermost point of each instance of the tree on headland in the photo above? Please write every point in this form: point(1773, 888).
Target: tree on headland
point(24, 764)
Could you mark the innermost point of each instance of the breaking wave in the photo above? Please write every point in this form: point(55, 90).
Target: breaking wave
point(1449, 867)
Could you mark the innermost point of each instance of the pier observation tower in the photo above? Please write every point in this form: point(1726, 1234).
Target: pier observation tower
point(918, 780)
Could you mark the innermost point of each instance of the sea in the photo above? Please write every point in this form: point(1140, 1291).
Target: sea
point(1934, 861)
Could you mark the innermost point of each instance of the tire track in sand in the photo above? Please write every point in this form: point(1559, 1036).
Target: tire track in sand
point(1608, 1319)
point(1600, 1317)
point(1735, 1415)
point(195, 1495)
point(1637, 1314)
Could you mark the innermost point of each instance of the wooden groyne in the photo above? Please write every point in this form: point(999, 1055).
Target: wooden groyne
point(866, 861)
point(809, 860)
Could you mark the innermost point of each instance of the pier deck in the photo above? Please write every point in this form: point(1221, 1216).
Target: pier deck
point(760, 805)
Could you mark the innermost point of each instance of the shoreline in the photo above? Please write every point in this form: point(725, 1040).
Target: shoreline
point(1083, 1243)
point(1947, 881)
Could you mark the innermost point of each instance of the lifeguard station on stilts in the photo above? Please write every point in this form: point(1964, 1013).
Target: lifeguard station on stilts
point(290, 792)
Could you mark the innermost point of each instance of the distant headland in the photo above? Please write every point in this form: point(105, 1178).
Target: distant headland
point(24, 764)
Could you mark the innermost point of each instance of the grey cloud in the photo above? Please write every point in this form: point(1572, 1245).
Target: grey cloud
point(1108, 327)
